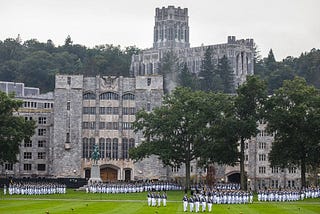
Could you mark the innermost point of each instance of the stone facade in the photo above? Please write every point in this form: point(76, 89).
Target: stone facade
point(101, 112)
point(35, 156)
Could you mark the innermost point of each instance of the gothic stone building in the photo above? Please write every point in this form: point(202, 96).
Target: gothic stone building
point(171, 33)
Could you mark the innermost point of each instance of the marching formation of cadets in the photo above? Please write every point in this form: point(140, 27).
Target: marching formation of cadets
point(32, 188)
point(288, 194)
point(130, 187)
point(155, 199)
point(203, 200)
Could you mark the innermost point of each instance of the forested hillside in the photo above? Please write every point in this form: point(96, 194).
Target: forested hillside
point(35, 63)
point(274, 72)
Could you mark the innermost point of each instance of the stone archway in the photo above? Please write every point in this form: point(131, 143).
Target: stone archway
point(234, 177)
point(109, 173)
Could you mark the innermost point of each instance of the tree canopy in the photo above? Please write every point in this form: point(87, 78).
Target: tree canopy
point(275, 72)
point(35, 63)
point(293, 114)
point(186, 123)
point(13, 129)
point(248, 104)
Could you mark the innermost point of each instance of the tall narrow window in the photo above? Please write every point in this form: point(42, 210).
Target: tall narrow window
point(69, 80)
point(85, 148)
point(124, 148)
point(102, 146)
point(115, 148)
point(68, 137)
point(108, 148)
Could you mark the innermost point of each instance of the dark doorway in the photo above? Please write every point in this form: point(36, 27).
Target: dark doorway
point(234, 178)
point(127, 175)
point(87, 173)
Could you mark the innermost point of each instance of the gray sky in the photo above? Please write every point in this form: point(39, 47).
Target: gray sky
point(289, 27)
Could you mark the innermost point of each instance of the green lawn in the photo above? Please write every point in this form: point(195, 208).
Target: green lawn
point(80, 202)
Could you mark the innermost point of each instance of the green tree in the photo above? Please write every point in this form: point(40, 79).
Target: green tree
point(206, 73)
point(270, 61)
point(186, 123)
point(171, 131)
point(186, 78)
point(226, 74)
point(293, 114)
point(248, 104)
point(13, 129)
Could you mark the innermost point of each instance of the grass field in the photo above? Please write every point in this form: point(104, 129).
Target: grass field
point(75, 202)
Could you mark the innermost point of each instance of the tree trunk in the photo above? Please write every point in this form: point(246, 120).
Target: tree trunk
point(303, 172)
point(243, 179)
point(187, 187)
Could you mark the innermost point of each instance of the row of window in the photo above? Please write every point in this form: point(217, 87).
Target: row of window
point(274, 184)
point(261, 145)
point(261, 157)
point(264, 133)
point(108, 148)
point(26, 167)
point(41, 120)
point(28, 143)
point(28, 155)
point(274, 170)
point(28, 104)
point(107, 125)
point(108, 96)
point(110, 110)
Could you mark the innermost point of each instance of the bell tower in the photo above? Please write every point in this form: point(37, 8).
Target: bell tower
point(171, 28)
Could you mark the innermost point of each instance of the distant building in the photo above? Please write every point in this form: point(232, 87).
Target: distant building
point(171, 33)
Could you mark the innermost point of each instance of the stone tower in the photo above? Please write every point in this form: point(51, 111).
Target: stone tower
point(67, 144)
point(171, 28)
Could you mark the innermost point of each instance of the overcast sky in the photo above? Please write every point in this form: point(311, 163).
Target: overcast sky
point(289, 27)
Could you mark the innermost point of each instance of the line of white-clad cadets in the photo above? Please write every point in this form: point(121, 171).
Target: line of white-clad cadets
point(34, 188)
point(288, 194)
point(115, 188)
point(156, 198)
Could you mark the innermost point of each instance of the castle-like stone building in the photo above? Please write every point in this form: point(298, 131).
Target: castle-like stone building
point(171, 33)
point(87, 111)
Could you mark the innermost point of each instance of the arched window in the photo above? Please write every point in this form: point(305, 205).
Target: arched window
point(89, 96)
point(102, 146)
point(85, 148)
point(128, 96)
point(115, 148)
point(108, 148)
point(125, 148)
point(109, 96)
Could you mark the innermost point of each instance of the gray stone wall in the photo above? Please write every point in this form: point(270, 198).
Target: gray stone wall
point(67, 146)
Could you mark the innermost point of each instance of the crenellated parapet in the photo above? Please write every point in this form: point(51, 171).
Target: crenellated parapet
point(171, 28)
